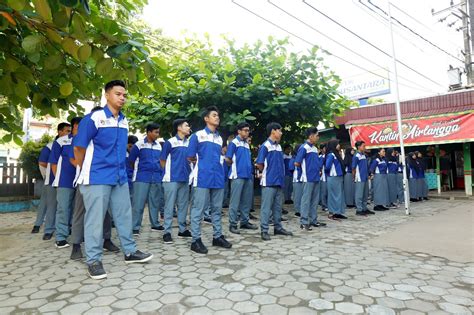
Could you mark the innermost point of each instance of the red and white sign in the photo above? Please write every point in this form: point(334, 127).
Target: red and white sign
point(444, 129)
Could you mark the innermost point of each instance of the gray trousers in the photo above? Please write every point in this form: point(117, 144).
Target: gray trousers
point(41, 211)
point(361, 194)
point(77, 229)
point(51, 206)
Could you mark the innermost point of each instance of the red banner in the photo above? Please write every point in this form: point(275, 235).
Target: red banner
point(444, 129)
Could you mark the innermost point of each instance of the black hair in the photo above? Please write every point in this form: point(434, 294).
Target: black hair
point(243, 125)
point(332, 148)
point(322, 146)
point(177, 123)
point(377, 155)
point(310, 131)
point(388, 155)
point(96, 108)
point(113, 83)
point(63, 125)
point(152, 126)
point(348, 157)
point(208, 111)
point(132, 139)
point(75, 121)
point(286, 146)
point(272, 126)
point(358, 144)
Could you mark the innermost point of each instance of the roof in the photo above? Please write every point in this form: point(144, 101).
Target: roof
point(424, 107)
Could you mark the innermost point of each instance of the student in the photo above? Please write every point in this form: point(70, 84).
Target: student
point(392, 177)
point(308, 159)
point(64, 174)
point(335, 181)
point(400, 189)
point(413, 171)
point(270, 163)
point(297, 184)
point(100, 152)
point(175, 179)
point(147, 179)
point(130, 142)
point(241, 180)
point(378, 169)
point(324, 187)
point(204, 151)
point(288, 189)
point(421, 182)
point(51, 202)
point(348, 180)
point(360, 174)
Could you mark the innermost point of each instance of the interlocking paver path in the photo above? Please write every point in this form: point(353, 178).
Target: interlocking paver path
point(329, 271)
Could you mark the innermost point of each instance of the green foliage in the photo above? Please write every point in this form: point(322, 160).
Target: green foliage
point(29, 156)
point(258, 84)
point(56, 52)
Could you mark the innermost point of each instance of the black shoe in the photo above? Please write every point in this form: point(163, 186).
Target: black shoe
point(380, 208)
point(306, 227)
point(136, 232)
point(76, 253)
point(175, 215)
point(186, 233)
point(47, 236)
point(288, 202)
point(158, 228)
point(265, 236)
point(385, 208)
point(414, 200)
point(362, 213)
point(324, 209)
point(318, 224)
point(234, 229)
point(252, 217)
point(198, 247)
point(369, 212)
point(252, 210)
point(284, 211)
point(283, 219)
point(35, 229)
point(333, 217)
point(282, 231)
point(62, 244)
point(340, 216)
point(350, 206)
point(110, 247)
point(138, 257)
point(248, 226)
point(208, 220)
point(426, 198)
point(221, 242)
point(297, 214)
point(96, 271)
point(167, 239)
point(225, 206)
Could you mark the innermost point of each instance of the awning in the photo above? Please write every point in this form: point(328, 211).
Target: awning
point(448, 128)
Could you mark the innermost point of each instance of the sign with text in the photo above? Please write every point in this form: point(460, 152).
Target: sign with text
point(365, 85)
point(432, 130)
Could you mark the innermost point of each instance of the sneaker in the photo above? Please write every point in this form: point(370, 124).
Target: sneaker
point(47, 236)
point(186, 233)
point(297, 214)
point(167, 239)
point(221, 242)
point(379, 208)
point(361, 213)
point(265, 236)
point(306, 227)
point(35, 229)
point(208, 220)
point(270, 222)
point(252, 217)
point(136, 232)
point(157, 228)
point(283, 219)
point(369, 212)
point(62, 244)
point(282, 231)
point(318, 224)
point(248, 226)
point(76, 253)
point(234, 230)
point(340, 216)
point(110, 247)
point(333, 217)
point(198, 247)
point(252, 210)
point(96, 271)
point(284, 211)
point(138, 257)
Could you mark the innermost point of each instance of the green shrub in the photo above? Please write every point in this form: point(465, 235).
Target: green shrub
point(29, 156)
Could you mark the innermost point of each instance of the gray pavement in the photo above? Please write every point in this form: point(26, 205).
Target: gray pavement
point(330, 270)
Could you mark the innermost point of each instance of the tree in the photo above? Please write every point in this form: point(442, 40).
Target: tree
point(257, 83)
point(55, 52)
point(29, 156)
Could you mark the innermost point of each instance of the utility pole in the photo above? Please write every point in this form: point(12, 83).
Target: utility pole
point(460, 10)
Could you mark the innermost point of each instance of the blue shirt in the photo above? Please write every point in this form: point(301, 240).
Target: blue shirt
point(286, 160)
point(308, 157)
point(129, 170)
point(392, 167)
point(105, 140)
point(44, 157)
point(270, 155)
point(322, 157)
point(333, 166)
point(360, 165)
point(208, 172)
point(177, 166)
point(146, 158)
point(412, 172)
point(60, 153)
point(378, 166)
point(239, 152)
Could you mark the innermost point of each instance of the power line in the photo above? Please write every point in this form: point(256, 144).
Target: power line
point(369, 43)
point(339, 43)
point(414, 32)
point(312, 44)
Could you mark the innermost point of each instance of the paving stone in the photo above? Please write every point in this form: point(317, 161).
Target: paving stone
point(126, 303)
point(407, 288)
point(33, 303)
point(193, 301)
point(215, 294)
point(362, 299)
point(171, 298)
point(246, 307)
point(421, 306)
point(332, 296)
point(273, 309)
point(349, 308)
point(220, 304)
point(306, 294)
point(263, 299)
point(52, 306)
point(301, 311)
point(78, 308)
point(99, 310)
point(372, 292)
point(458, 300)
point(400, 295)
point(289, 300)
point(320, 304)
point(454, 309)
point(380, 310)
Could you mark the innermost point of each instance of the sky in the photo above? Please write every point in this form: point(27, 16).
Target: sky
point(180, 18)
